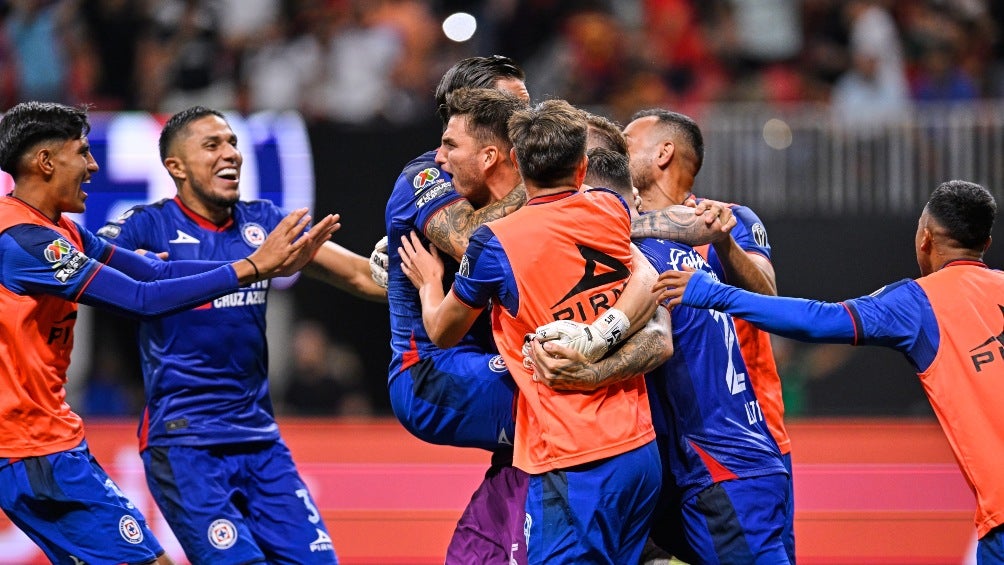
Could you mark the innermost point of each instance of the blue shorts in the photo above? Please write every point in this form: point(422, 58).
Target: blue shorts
point(491, 527)
point(788, 535)
point(461, 397)
point(68, 505)
point(990, 548)
point(594, 513)
point(739, 521)
point(237, 503)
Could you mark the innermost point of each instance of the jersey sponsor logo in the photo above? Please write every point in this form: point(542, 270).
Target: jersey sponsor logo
point(424, 178)
point(222, 534)
point(679, 258)
point(130, 530)
point(497, 365)
point(110, 231)
point(253, 295)
point(322, 543)
point(69, 266)
point(759, 234)
point(183, 238)
point(253, 234)
point(504, 438)
point(991, 350)
point(617, 271)
point(433, 194)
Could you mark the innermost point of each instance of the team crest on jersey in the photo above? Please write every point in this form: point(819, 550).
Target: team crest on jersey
point(425, 178)
point(497, 364)
point(222, 534)
point(253, 234)
point(759, 234)
point(130, 530)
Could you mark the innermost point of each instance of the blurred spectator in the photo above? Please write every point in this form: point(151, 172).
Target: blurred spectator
point(326, 379)
point(39, 33)
point(189, 62)
point(113, 29)
point(874, 90)
point(279, 65)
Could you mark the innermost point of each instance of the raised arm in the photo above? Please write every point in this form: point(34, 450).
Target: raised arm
point(450, 228)
point(345, 270)
point(685, 224)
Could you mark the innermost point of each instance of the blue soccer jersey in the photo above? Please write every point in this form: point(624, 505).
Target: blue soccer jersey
point(704, 410)
point(204, 369)
point(420, 191)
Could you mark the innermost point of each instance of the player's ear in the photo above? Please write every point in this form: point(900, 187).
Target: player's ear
point(490, 155)
point(666, 151)
point(926, 240)
point(41, 160)
point(174, 168)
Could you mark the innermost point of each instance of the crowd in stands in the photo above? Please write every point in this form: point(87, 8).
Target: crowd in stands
point(355, 61)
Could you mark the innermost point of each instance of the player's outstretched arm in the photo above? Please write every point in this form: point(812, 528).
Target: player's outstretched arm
point(563, 368)
point(345, 270)
point(795, 318)
point(450, 229)
point(446, 319)
point(686, 224)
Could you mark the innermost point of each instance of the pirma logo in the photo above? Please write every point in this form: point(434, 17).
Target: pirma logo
point(322, 543)
point(222, 534)
point(992, 349)
point(130, 530)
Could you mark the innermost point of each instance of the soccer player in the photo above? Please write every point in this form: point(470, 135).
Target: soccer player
point(666, 151)
point(594, 469)
point(947, 323)
point(214, 459)
point(725, 486)
point(53, 489)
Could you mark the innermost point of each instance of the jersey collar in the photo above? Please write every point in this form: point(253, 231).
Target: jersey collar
point(961, 262)
point(202, 222)
point(550, 197)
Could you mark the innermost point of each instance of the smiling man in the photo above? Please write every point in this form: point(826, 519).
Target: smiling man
point(50, 485)
point(215, 462)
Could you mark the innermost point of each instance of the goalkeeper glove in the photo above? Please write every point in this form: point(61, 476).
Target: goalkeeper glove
point(378, 263)
point(592, 340)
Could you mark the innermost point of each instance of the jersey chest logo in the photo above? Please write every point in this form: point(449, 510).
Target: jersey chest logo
point(183, 238)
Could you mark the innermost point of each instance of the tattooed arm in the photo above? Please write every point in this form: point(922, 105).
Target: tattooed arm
point(450, 228)
point(562, 368)
point(681, 223)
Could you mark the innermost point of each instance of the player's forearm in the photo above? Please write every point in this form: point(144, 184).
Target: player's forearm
point(745, 270)
point(795, 318)
point(451, 228)
point(144, 268)
point(345, 270)
point(638, 301)
point(114, 290)
point(676, 223)
point(643, 352)
point(433, 318)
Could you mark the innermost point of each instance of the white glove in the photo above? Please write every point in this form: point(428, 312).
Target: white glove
point(591, 340)
point(378, 263)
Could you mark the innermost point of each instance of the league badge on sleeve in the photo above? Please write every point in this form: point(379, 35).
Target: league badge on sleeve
point(424, 178)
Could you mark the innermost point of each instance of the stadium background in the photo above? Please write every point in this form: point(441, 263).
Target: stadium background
point(833, 119)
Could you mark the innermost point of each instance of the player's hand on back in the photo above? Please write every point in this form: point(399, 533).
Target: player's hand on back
point(422, 266)
point(379, 262)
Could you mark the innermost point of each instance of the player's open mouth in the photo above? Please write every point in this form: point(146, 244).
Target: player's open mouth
point(229, 173)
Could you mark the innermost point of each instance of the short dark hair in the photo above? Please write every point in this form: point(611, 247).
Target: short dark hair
point(29, 123)
point(966, 209)
point(605, 133)
point(178, 122)
point(682, 124)
point(609, 169)
point(475, 72)
point(550, 141)
point(487, 111)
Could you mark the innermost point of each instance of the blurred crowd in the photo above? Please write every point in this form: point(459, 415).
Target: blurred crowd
point(355, 61)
